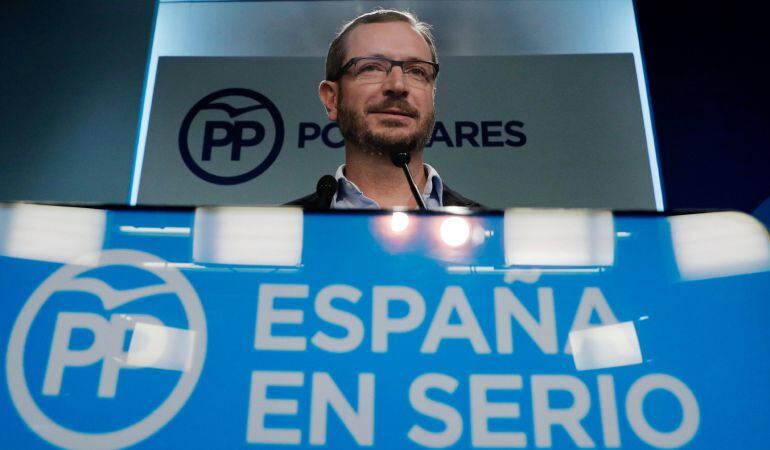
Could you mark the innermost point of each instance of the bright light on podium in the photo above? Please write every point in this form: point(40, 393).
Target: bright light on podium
point(558, 238)
point(60, 234)
point(455, 231)
point(248, 236)
point(719, 244)
point(399, 221)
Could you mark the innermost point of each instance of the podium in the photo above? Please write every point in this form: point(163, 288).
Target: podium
point(237, 327)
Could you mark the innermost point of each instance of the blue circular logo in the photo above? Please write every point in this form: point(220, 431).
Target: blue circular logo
point(70, 339)
point(227, 137)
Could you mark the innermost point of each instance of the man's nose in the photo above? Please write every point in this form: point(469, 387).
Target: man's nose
point(394, 83)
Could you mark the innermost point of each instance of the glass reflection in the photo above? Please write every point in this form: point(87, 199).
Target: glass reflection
point(161, 347)
point(248, 236)
point(52, 233)
point(155, 231)
point(558, 238)
point(719, 244)
point(605, 346)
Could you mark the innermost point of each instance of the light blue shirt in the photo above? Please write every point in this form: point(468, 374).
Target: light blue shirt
point(349, 196)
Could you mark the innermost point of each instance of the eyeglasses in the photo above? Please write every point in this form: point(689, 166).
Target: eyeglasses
point(375, 69)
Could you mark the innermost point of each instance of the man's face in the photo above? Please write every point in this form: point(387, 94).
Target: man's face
point(394, 115)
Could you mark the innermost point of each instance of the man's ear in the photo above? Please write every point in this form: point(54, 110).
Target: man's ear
point(328, 92)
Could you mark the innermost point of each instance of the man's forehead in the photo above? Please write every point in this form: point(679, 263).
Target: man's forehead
point(397, 40)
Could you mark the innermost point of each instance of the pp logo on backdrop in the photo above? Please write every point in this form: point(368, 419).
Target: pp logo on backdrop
point(105, 356)
point(231, 136)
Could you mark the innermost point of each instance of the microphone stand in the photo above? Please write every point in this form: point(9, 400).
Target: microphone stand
point(402, 160)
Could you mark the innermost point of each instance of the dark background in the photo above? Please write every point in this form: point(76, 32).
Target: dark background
point(71, 82)
point(707, 73)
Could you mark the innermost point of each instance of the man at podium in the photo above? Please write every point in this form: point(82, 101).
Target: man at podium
point(380, 87)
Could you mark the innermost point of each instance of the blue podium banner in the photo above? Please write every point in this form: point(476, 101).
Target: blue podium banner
point(264, 327)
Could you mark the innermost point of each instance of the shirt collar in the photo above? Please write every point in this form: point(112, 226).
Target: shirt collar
point(434, 188)
point(349, 196)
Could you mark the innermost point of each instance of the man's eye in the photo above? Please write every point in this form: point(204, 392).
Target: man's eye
point(419, 72)
point(371, 67)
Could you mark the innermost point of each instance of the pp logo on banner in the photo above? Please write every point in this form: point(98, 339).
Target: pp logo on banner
point(85, 352)
point(231, 136)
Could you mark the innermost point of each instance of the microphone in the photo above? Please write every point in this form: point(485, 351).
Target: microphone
point(401, 159)
point(325, 189)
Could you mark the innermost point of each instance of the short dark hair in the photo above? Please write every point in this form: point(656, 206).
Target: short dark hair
point(334, 59)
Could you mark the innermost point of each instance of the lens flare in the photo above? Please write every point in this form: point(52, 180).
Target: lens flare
point(455, 231)
point(398, 222)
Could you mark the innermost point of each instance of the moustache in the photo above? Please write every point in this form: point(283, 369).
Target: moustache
point(401, 105)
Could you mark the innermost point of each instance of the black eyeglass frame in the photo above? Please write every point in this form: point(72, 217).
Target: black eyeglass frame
point(393, 62)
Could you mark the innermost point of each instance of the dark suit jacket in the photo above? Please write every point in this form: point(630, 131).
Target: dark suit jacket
point(451, 198)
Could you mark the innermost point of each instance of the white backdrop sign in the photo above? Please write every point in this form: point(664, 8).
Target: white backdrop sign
point(546, 130)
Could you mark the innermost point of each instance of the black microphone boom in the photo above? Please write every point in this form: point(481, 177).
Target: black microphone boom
point(401, 160)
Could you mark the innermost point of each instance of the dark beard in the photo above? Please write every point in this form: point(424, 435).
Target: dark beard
point(354, 130)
